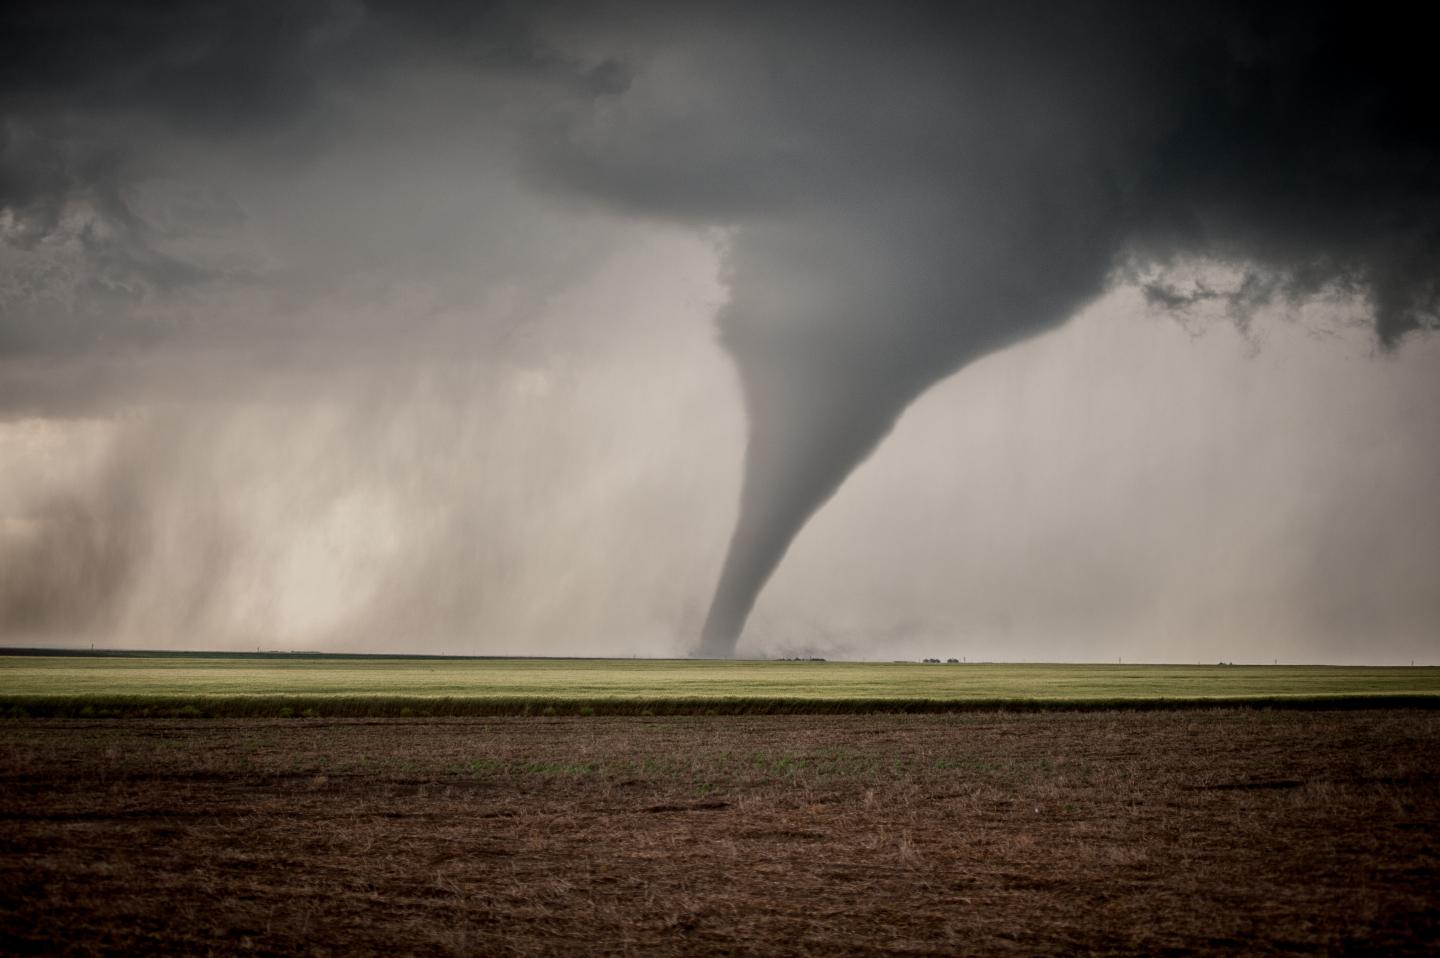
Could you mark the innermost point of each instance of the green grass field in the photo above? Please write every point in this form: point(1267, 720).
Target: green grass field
point(304, 685)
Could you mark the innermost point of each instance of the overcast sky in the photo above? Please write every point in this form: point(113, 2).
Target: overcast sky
point(1021, 331)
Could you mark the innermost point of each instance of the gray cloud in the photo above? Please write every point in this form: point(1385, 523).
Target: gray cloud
point(168, 174)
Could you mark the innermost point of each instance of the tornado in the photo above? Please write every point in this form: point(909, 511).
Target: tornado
point(865, 332)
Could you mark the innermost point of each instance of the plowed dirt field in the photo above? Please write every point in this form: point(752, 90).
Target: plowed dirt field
point(1127, 833)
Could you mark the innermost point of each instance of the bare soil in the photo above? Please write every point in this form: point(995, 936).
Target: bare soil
point(1126, 833)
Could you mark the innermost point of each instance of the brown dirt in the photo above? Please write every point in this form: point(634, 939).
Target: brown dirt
point(1153, 833)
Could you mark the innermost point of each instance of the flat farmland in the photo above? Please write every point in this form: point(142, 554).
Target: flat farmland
point(1113, 832)
point(336, 686)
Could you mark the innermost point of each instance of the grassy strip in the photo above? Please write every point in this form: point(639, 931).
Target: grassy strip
point(368, 706)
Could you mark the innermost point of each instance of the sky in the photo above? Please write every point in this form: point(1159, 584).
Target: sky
point(1022, 332)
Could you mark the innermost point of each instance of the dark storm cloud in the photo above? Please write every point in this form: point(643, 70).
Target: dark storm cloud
point(73, 69)
point(83, 86)
point(99, 98)
point(212, 64)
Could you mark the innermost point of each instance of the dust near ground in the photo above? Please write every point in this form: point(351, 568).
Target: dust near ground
point(1146, 833)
